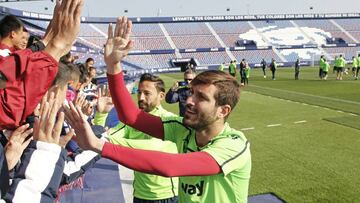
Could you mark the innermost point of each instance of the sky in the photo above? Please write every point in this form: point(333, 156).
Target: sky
point(164, 8)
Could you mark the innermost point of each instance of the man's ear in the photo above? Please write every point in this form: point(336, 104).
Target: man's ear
point(224, 111)
point(12, 34)
point(162, 95)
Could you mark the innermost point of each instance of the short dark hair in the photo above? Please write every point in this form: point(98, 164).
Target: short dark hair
point(66, 73)
point(66, 58)
point(228, 88)
point(159, 83)
point(83, 72)
point(189, 71)
point(89, 59)
point(92, 68)
point(8, 24)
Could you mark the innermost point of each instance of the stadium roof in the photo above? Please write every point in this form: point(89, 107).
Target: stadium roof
point(143, 8)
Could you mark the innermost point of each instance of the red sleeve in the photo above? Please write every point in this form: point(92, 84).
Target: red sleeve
point(129, 113)
point(41, 71)
point(20, 97)
point(161, 163)
point(14, 66)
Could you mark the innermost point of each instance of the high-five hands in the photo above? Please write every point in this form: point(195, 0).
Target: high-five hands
point(64, 28)
point(46, 127)
point(84, 135)
point(118, 44)
point(16, 145)
point(104, 101)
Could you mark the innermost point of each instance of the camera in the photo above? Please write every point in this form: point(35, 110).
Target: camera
point(182, 83)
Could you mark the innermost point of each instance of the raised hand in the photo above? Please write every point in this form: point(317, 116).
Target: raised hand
point(45, 127)
point(84, 135)
point(80, 99)
point(64, 28)
point(104, 102)
point(16, 145)
point(118, 44)
point(49, 34)
point(65, 139)
point(86, 106)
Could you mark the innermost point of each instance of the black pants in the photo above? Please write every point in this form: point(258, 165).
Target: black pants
point(242, 76)
point(169, 200)
point(297, 75)
point(320, 73)
point(264, 71)
point(273, 73)
point(357, 71)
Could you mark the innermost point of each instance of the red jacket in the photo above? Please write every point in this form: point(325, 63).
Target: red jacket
point(29, 75)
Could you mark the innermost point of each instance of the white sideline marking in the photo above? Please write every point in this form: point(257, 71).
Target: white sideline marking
point(298, 122)
point(126, 177)
point(310, 95)
point(340, 111)
point(273, 125)
point(245, 129)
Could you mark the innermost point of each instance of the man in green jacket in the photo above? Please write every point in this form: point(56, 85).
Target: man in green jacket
point(232, 68)
point(321, 66)
point(358, 68)
point(341, 63)
point(354, 65)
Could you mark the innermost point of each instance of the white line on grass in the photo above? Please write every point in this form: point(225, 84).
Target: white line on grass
point(340, 111)
point(273, 125)
point(310, 95)
point(351, 114)
point(245, 129)
point(298, 122)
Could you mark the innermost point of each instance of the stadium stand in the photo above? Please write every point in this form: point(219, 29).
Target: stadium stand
point(208, 58)
point(347, 52)
point(327, 29)
point(181, 29)
point(283, 39)
point(302, 54)
point(151, 43)
point(193, 42)
point(255, 56)
point(230, 27)
point(150, 61)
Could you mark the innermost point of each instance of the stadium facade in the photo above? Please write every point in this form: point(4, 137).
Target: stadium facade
point(164, 43)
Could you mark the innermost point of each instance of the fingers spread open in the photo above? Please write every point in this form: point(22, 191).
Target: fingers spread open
point(58, 126)
point(78, 10)
point(128, 30)
point(118, 27)
point(19, 131)
point(26, 143)
point(74, 112)
point(110, 31)
point(66, 6)
point(25, 135)
point(44, 116)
